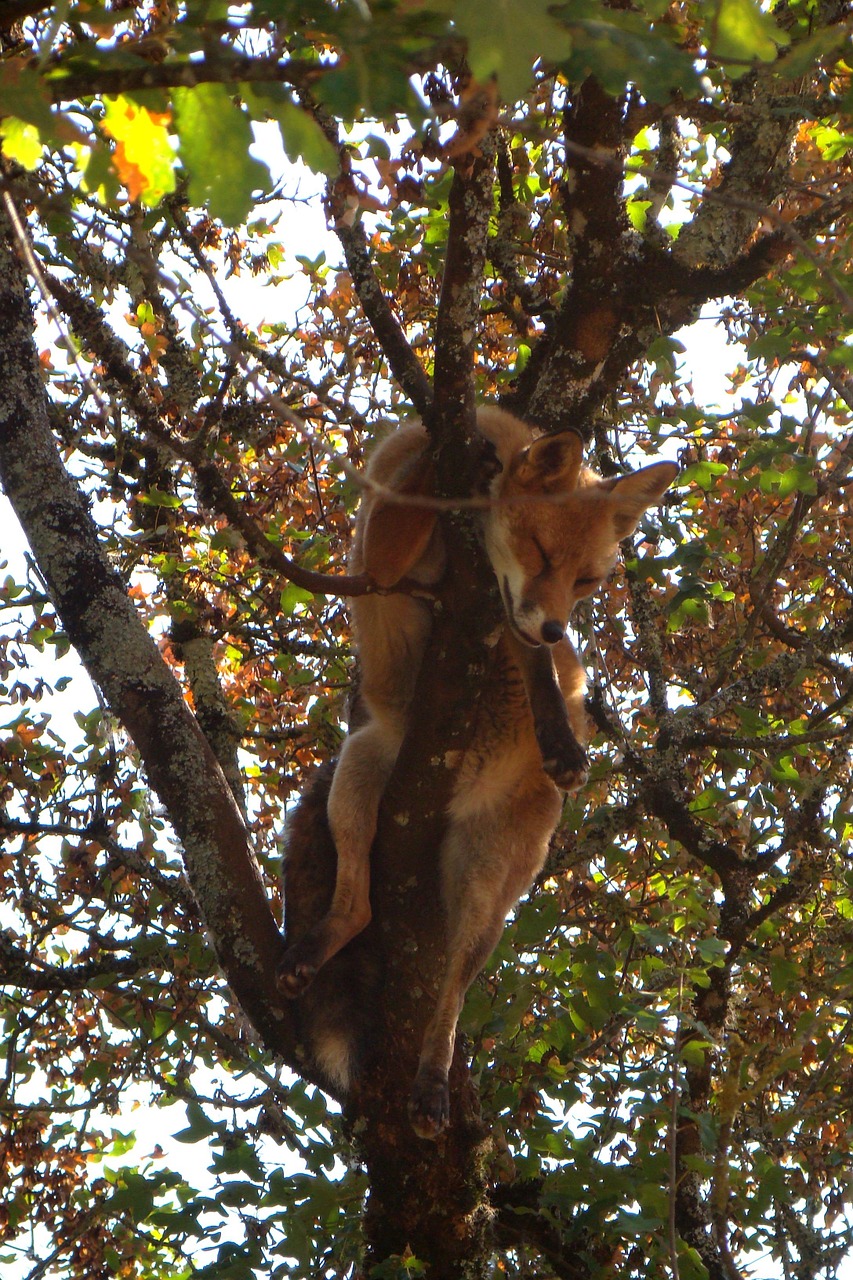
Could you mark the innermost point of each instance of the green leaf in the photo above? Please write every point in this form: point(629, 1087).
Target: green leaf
point(304, 139)
point(622, 49)
point(833, 144)
point(292, 596)
point(703, 474)
point(301, 135)
point(802, 56)
point(506, 37)
point(740, 30)
point(159, 498)
point(798, 479)
point(693, 1052)
point(215, 135)
point(23, 95)
point(637, 210)
point(199, 1128)
point(25, 102)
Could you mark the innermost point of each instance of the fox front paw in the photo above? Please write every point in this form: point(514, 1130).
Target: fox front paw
point(567, 777)
point(564, 759)
point(297, 969)
point(429, 1104)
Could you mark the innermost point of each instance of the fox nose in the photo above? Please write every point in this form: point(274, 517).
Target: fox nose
point(551, 631)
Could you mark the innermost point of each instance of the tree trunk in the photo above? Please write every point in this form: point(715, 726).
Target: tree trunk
point(427, 1197)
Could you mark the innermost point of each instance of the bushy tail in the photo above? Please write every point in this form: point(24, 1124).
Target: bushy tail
point(336, 1015)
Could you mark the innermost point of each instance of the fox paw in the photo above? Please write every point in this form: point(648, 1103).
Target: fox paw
point(429, 1104)
point(568, 777)
point(564, 760)
point(563, 757)
point(297, 969)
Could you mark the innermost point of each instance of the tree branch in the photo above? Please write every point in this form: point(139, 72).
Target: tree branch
point(215, 68)
point(194, 646)
point(457, 321)
point(404, 364)
point(566, 361)
point(343, 207)
point(90, 326)
point(624, 291)
point(519, 1221)
point(17, 967)
point(405, 884)
point(123, 660)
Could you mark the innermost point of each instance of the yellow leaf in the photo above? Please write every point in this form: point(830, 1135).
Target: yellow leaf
point(144, 158)
point(21, 142)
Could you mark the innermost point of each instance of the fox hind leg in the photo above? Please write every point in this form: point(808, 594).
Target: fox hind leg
point(365, 765)
point(488, 861)
point(429, 1101)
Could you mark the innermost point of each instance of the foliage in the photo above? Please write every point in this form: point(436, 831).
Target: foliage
point(662, 1042)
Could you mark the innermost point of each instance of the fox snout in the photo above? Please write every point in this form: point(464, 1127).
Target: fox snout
point(531, 622)
point(533, 626)
point(535, 631)
point(552, 631)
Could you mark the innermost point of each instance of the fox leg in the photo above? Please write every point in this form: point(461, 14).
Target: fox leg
point(557, 726)
point(488, 861)
point(363, 770)
point(429, 1102)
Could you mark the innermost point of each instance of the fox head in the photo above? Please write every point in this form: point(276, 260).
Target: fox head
point(554, 530)
point(551, 534)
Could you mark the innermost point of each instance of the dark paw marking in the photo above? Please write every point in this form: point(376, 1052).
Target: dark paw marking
point(568, 776)
point(297, 969)
point(429, 1105)
point(563, 758)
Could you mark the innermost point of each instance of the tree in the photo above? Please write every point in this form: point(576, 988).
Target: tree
point(531, 202)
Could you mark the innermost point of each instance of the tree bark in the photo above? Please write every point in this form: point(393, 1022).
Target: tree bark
point(431, 1197)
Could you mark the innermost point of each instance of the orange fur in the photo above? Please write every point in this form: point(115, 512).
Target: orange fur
point(552, 535)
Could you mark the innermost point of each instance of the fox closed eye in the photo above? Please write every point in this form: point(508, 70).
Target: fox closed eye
point(546, 559)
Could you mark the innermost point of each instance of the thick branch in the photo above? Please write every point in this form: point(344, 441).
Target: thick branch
point(457, 321)
point(436, 1206)
point(577, 341)
point(759, 162)
point(195, 646)
point(225, 69)
point(513, 219)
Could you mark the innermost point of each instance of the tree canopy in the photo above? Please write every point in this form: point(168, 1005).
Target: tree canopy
point(546, 205)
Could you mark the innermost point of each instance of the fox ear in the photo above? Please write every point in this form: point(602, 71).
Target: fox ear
point(396, 534)
point(551, 462)
point(633, 494)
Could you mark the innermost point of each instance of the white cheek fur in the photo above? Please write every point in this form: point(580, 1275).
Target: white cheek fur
point(511, 578)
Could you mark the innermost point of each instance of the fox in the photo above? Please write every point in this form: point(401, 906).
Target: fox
point(551, 530)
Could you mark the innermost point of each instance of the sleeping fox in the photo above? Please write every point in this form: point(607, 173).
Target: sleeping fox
point(551, 533)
